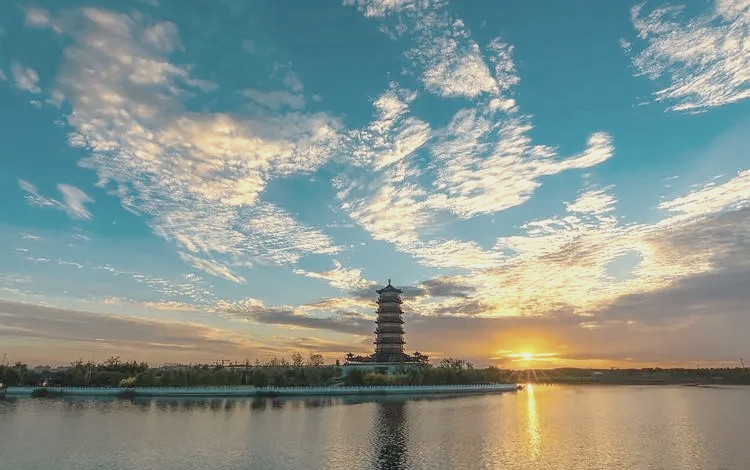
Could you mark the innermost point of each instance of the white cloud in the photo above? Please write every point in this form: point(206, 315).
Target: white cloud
point(712, 198)
point(293, 82)
point(706, 58)
point(393, 135)
point(186, 288)
point(171, 306)
point(197, 177)
point(561, 264)
point(380, 8)
point(486, 165)
point(162, 36)
point(456, 254)
point(339, 277)
point(483, 161)
point(26, 79)
point(595, 201)
point(213, 267)
point(452, 63)
point(74, 199)
point(37, 18)
point(3, 77)
point(74, 264)
point(455, 74)
point(392, 207)
point(56, 99)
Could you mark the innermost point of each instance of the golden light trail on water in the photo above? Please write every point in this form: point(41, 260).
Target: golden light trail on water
point(534, 444)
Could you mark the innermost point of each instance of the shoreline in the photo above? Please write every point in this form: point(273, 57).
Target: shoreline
point(253, 392)
point(639, 382)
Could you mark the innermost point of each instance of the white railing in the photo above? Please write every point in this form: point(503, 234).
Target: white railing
point(249, 391)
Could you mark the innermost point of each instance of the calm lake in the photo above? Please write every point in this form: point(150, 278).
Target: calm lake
point(547, 427)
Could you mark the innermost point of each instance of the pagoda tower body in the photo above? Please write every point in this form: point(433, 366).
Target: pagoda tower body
point(389, 334)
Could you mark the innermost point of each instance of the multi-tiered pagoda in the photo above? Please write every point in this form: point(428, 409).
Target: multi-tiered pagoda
point(389, 334)
point(389, 337)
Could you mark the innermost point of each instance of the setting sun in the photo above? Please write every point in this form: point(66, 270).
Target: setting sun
point(527, 356)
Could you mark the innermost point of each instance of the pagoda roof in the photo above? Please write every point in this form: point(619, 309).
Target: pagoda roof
point(389, 288)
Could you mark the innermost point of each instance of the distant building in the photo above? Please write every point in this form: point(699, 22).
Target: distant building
point(389, 337)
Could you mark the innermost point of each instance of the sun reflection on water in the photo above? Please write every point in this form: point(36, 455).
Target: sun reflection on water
point(534, 444)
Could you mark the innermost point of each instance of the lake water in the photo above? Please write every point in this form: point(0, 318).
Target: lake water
point(547, 427)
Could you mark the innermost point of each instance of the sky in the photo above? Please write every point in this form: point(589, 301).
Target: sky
point(190, 181)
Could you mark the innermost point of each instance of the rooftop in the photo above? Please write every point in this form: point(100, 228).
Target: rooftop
point(389, 288)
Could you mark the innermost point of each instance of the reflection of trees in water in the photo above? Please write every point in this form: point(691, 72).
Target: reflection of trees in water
point(229, 404)
point(390, 436)
point(176, 404)
point(187, 404)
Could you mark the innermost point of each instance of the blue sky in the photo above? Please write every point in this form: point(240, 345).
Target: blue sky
point(185, 182)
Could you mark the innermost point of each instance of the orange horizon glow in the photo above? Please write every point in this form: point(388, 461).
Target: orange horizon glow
point(527, 359)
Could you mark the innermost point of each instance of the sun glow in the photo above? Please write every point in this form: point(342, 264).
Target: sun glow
point(527, 358)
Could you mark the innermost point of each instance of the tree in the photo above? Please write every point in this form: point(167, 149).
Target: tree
point(455, 363)
point(259, 378)
point(297, 360)
point(11, 376)
point(112, 363)
point(316, 360)
point(355, 377)
point(128, 382)
point(421, 359)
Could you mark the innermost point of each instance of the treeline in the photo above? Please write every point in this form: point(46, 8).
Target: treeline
point(115, 373)
point(651, 375)
point(297, 372)
point(312, 371)
point(447, 373)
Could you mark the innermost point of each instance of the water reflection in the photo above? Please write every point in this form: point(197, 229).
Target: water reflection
point(390, 436)
point(534, 441)
point(213, 404)
point(555, 428)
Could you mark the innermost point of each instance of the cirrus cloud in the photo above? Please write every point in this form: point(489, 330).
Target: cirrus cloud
point(705, 58)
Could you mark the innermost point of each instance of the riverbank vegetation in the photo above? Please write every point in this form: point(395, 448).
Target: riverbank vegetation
point(115, 373)
point(646, 376)
point(312, 371)
point(448, 372)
